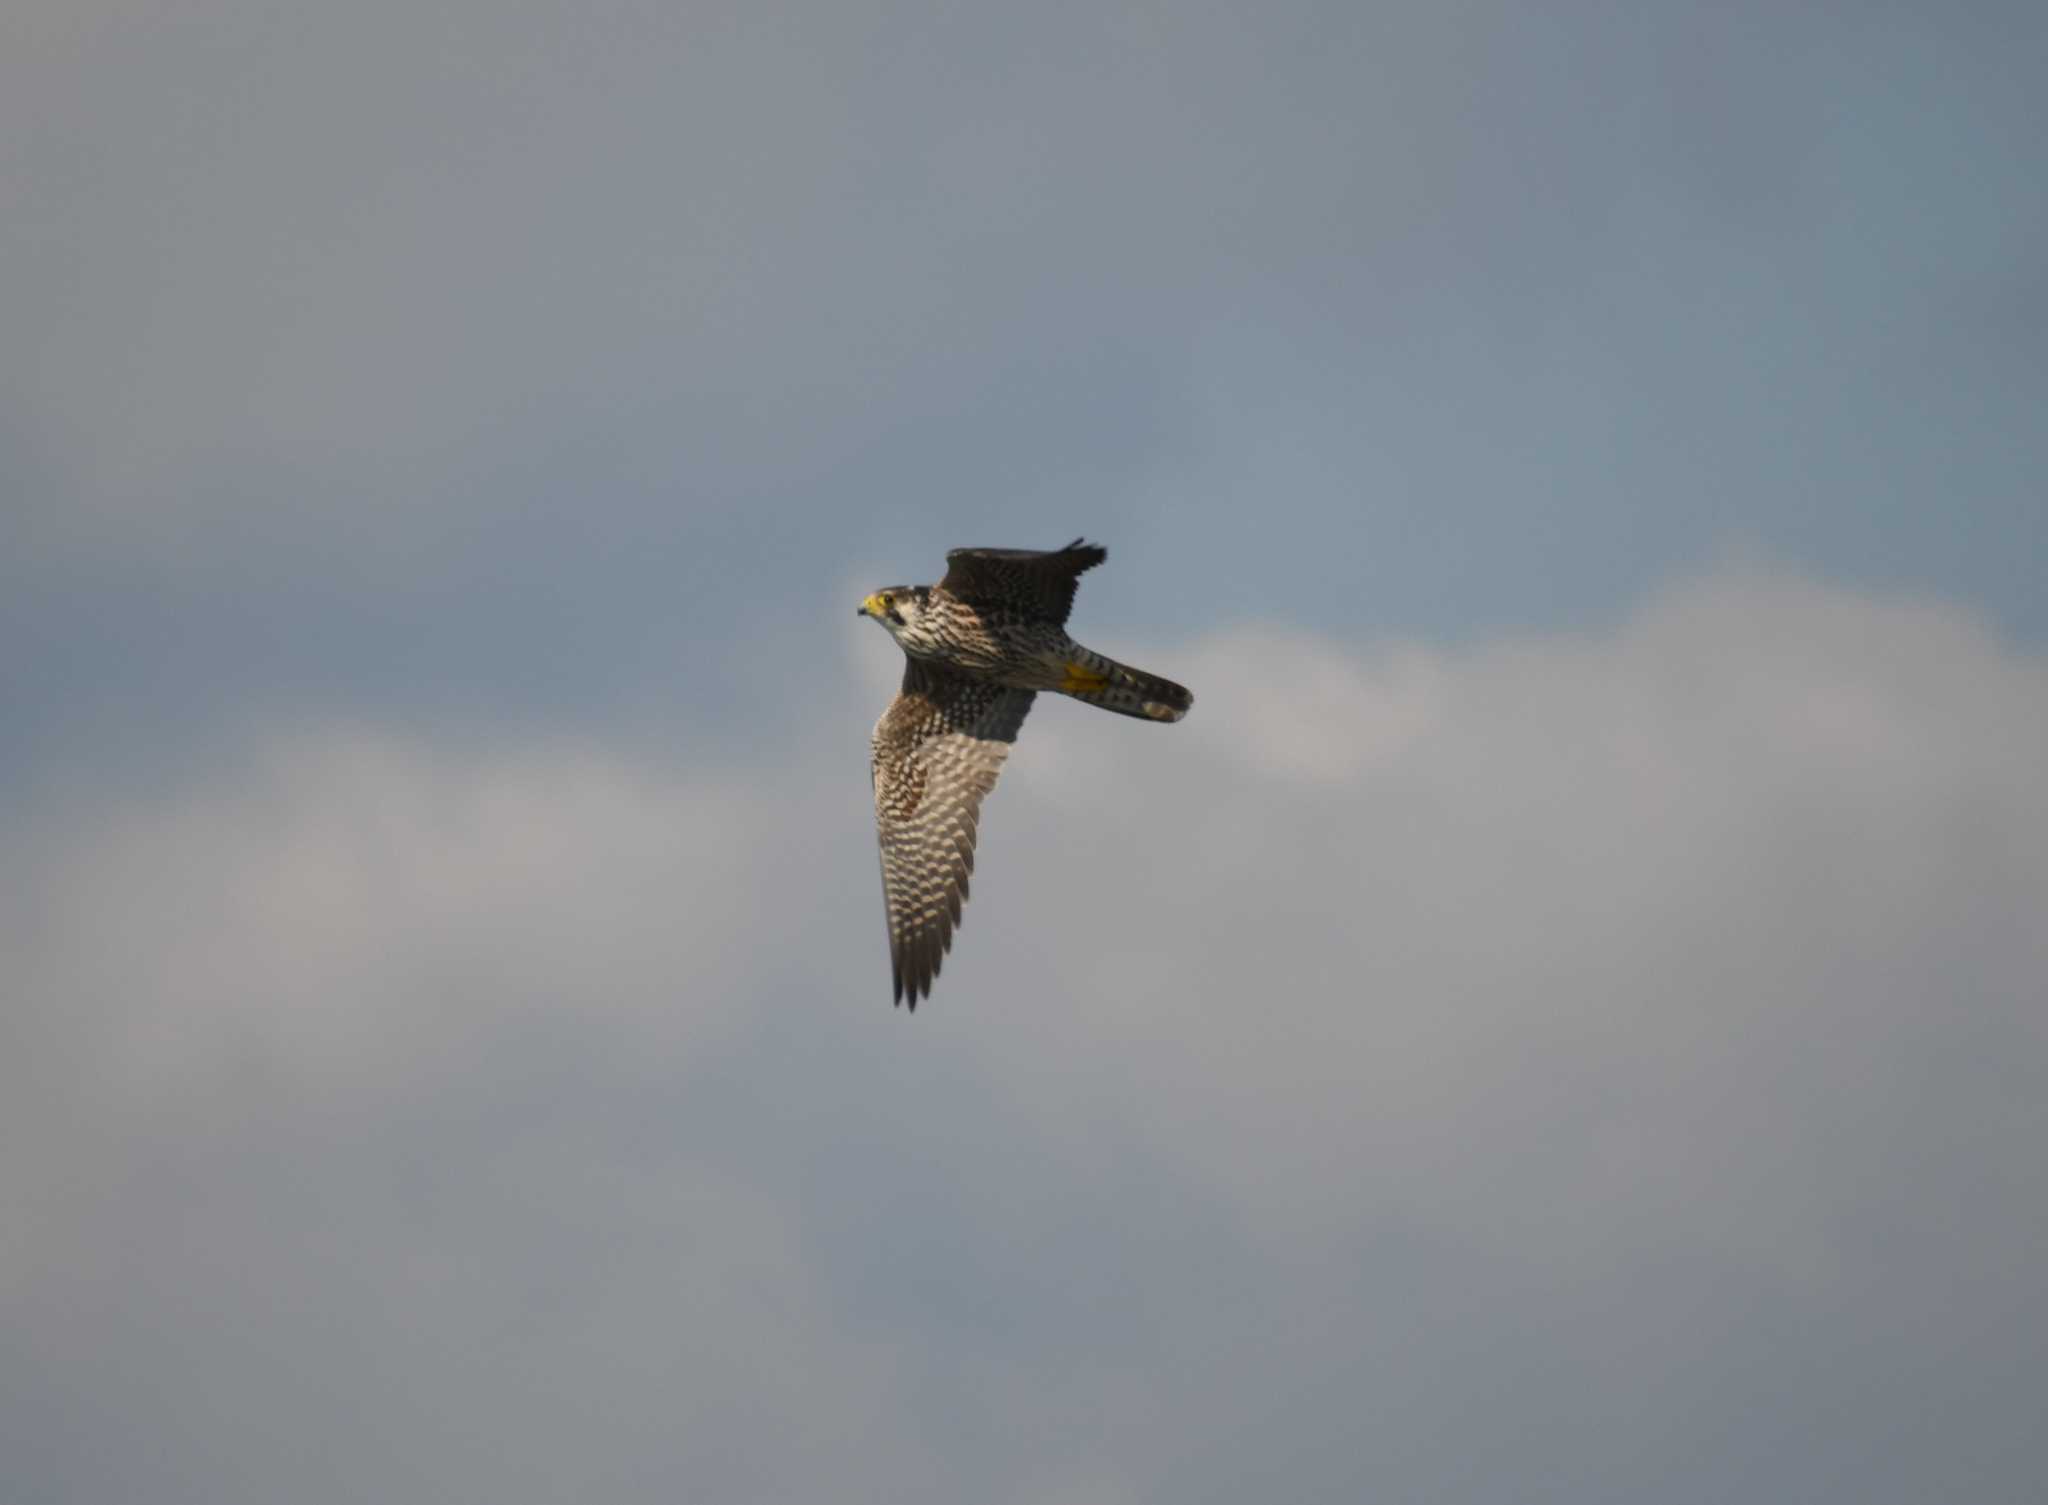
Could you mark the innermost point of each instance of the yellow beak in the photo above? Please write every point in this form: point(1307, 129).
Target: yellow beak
point(870, 607)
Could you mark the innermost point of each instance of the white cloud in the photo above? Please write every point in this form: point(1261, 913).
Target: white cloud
point(1405, 1025)
point(1609, 896)
point(350, 897)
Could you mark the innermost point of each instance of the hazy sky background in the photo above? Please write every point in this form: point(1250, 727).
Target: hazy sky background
point(1562, 1020)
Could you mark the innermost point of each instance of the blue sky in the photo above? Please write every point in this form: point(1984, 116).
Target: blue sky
point(1558, 1021)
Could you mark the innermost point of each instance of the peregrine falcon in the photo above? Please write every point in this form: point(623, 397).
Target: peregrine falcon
point(978, 646)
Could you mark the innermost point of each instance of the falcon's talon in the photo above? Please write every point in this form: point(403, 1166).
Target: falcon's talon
point(1079, 679)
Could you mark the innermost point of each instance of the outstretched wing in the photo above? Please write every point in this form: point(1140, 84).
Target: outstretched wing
point(937, 751)
point(1036, 582)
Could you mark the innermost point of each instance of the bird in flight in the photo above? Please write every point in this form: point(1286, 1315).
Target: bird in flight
point(977, 648)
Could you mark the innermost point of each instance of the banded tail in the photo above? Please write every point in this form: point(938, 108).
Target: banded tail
point(1102, 681)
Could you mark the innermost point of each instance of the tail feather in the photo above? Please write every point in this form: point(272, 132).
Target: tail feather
point(1130, 692)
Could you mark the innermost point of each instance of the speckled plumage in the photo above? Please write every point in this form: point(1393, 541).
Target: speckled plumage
point(978, 647)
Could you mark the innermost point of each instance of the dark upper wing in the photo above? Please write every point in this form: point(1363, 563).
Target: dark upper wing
point(1039, 582)
point(937, 752)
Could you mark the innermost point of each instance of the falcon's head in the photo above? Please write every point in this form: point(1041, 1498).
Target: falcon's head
point(896, 607)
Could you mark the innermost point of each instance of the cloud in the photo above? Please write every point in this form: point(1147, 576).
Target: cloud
point(444, 1052)
point(1593, 1067)
point(1756, 820)
point(300, 1142)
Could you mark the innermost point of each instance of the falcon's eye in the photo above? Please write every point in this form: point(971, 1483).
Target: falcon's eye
point(888, 601)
